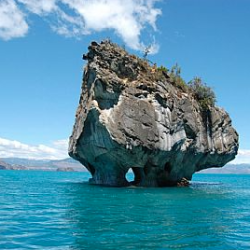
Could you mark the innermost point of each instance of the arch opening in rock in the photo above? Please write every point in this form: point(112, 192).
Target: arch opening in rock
point(134, 176)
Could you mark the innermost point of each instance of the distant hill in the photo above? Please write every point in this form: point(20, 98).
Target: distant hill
point(67, 164)
point(25, 162)
point(70, 164)
point(229, 169)
point(4, 165)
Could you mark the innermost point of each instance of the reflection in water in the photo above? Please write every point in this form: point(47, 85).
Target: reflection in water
point(202, 216)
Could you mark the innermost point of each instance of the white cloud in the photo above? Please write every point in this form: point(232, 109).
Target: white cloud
point(12, 21)
point(128, 18)
point(242, 157)
point(10, 148)
point(77, 17)
point(40, 7)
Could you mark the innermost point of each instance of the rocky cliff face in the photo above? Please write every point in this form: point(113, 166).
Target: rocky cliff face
point(129, 117)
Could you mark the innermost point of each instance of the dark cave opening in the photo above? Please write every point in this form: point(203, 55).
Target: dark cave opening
point(167, 167)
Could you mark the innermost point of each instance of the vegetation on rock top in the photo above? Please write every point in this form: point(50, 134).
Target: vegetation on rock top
point(197, 87)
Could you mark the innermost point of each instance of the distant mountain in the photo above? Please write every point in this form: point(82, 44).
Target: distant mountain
point(25, 162)
point(4, 165)
point(70, 164)
point(67, 164)
point(229, 169)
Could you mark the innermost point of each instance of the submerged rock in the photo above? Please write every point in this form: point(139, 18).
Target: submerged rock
point(130, 117)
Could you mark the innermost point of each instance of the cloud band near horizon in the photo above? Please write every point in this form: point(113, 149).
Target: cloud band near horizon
point(56, 151)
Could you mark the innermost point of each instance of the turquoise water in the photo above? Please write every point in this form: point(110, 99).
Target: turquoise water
point(59, 210)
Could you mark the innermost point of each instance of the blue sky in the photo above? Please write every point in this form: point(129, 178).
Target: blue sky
point(41, 44)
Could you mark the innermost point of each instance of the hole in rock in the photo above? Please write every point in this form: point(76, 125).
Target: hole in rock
point(133, 176)
point(130, 175)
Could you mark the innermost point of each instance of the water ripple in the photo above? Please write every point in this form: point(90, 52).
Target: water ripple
point(55, 211)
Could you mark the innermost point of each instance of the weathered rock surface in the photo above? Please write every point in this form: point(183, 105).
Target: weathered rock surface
point(128, 118)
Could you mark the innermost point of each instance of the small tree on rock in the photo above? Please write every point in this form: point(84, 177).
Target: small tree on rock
point(204, 94)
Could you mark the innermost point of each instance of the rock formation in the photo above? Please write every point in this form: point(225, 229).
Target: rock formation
point(130, 117)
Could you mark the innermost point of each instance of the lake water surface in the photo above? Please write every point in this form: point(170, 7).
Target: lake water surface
point(59, 210)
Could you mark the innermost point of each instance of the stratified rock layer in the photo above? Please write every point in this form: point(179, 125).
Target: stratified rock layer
point(128, 118)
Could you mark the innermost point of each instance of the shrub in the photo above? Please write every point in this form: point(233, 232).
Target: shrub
point(180, 83)
point(159, 73)
point(204, 94)
point(201, 92)
point(175, 77)
point(162, 69)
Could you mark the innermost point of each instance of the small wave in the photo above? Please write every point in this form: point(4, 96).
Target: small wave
point(204, 183)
